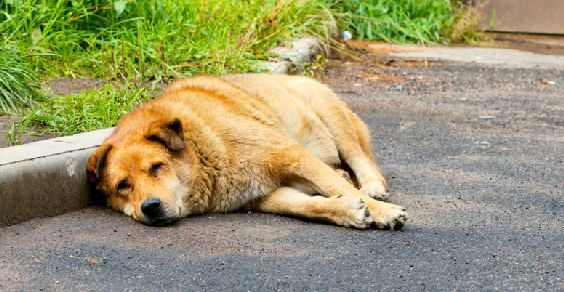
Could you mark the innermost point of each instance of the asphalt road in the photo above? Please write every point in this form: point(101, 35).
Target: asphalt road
point(474, 153)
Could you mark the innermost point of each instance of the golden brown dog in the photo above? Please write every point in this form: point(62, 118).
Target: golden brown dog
point(270, 143)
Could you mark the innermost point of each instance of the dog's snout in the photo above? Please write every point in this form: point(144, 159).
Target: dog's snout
point(155, 212)
point(152, 207)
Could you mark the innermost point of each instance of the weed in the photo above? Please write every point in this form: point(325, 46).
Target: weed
point(464, 26)
point(18, 84)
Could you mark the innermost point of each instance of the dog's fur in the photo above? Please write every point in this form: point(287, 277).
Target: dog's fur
point(271, 143)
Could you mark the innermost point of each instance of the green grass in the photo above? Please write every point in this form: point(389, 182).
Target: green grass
point(408, 21)
point(145, 39)
point(18, 84)
point(75, 113)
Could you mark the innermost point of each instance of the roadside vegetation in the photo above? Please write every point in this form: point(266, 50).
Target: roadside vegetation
point(18, 83)
point(140, 42)
point(92, 109)
point(409, 21)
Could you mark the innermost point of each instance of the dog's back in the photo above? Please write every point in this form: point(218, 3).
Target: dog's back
point(288, 103)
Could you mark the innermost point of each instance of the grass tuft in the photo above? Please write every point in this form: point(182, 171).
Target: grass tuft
point(89, 110)
point(18, 84)
point(139, 41)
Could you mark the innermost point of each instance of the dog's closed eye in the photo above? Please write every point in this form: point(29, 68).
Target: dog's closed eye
point(123, 185)
point(155, 168)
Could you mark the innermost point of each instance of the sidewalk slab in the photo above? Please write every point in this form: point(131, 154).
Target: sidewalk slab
point(46, 178)
point(506, 58)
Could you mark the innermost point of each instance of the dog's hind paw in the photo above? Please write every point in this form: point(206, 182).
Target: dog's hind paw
point(375, 190)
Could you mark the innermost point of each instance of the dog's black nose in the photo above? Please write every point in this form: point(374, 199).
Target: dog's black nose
point(151, 207)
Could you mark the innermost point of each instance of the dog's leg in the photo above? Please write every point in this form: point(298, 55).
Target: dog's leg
point(350, 134)
point(307, 189)
point(296, 164)
point(344, 210)
point(352, 139)
point(354, 145)
point(369, 175)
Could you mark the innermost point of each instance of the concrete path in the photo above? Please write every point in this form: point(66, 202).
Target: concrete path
point(499, 57)
point(474, 153)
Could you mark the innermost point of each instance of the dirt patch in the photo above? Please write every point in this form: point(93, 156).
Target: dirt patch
point(66, 86)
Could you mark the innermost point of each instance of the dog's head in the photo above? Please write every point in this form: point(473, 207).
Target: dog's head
point(139, 171)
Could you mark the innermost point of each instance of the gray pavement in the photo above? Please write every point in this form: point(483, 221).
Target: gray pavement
point(475, 154)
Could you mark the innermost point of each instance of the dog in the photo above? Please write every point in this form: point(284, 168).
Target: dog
point(269, 143)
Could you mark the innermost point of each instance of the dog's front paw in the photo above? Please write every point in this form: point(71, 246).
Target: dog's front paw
point(356, 214)
point(388, 216)
point(376, 190)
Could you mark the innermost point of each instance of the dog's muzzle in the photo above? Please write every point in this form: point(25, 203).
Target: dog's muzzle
point(155, 213)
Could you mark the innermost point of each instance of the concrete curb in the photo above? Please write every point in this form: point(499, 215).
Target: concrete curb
point(46, 178)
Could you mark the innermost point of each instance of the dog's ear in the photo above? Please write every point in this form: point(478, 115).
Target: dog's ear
point(95, 167)
point(168, 132)
point(97, 163)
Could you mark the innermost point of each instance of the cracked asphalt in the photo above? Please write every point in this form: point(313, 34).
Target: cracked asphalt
point(474, 152)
